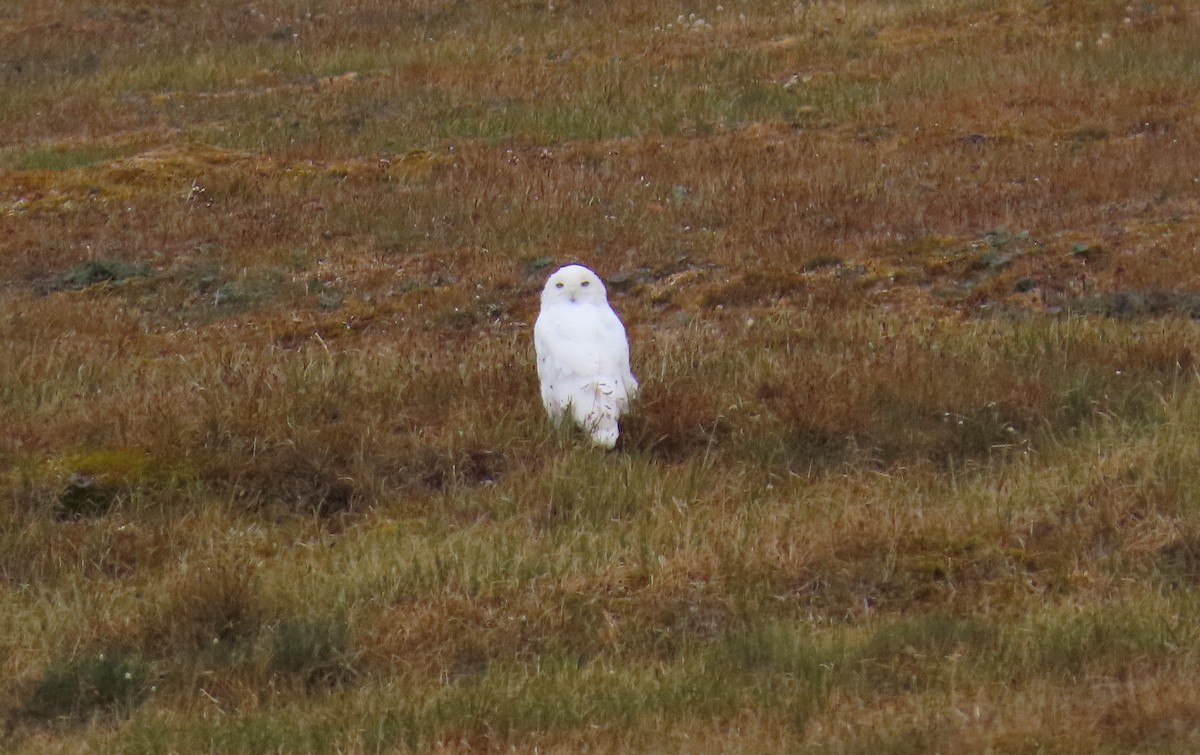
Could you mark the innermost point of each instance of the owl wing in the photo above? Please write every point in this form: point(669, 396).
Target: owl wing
point(613, 345)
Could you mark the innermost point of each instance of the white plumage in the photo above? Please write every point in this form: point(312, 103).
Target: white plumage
point(583, 354)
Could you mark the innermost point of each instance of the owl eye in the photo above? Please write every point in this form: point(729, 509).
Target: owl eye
point(585, 284)
point(558, 285)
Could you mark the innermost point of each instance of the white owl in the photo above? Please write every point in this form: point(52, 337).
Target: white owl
point(583, 354)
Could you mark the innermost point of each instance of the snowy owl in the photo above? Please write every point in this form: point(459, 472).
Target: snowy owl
point(583, 354)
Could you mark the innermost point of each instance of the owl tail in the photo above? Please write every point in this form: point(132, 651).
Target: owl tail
point(597, 409)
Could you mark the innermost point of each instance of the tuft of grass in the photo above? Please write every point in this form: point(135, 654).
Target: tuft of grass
point(60, 158)
point(103, 271)
point(313, 651)
point(98, 479)
point(76, 688)
point(209, 604)
point(590, 490)
point(1112, 641)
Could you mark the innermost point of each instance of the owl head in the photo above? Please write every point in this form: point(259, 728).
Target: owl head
point(575, 284)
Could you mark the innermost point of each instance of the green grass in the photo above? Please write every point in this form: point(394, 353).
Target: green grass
point(80, 686)
point(59, 158)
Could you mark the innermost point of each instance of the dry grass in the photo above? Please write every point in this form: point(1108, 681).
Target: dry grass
point(911, 290)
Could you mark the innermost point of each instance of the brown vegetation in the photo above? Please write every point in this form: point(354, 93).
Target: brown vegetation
point(910, 288)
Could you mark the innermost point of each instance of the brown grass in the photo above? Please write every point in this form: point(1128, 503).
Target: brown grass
point(910, 288)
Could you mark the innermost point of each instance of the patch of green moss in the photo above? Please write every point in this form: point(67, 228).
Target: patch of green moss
point(103, 271)
point(61, 158)
point(95, 480)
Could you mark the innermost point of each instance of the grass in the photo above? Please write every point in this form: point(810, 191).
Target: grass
point(911, 291)
point(82, 685)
